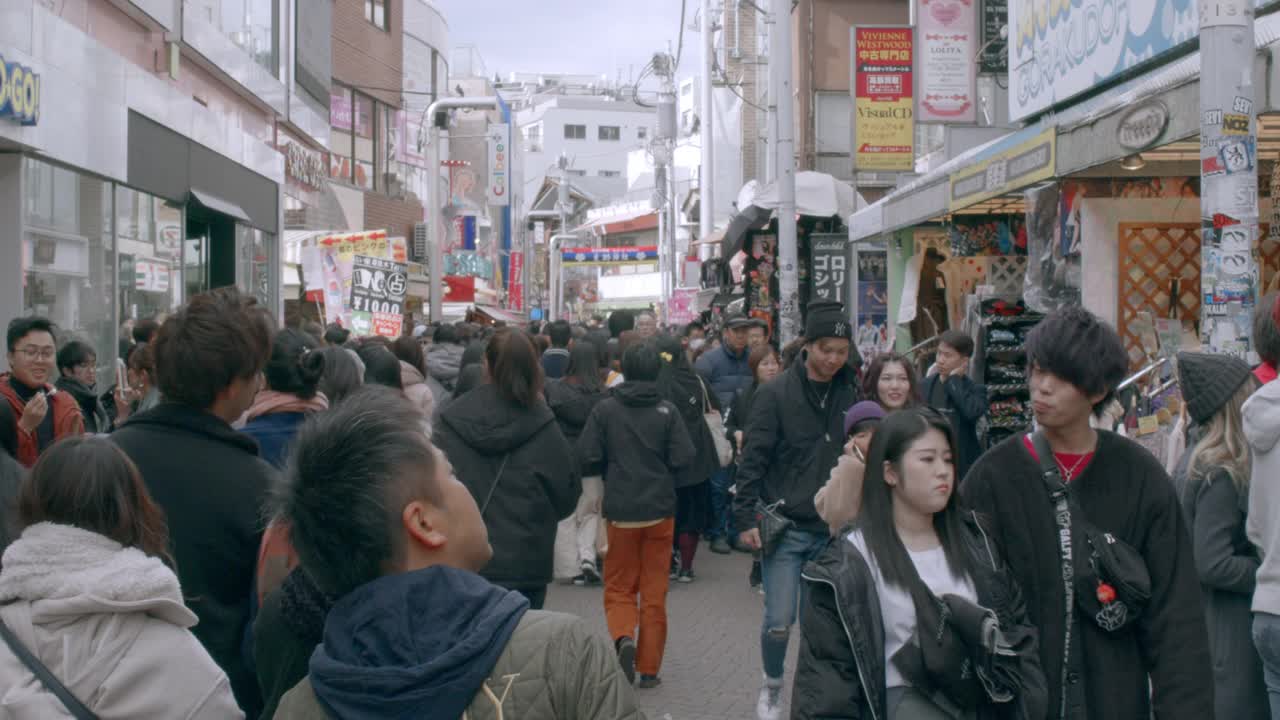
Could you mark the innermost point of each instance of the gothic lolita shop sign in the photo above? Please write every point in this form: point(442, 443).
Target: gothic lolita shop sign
point(946, 34)
point(1061, 48)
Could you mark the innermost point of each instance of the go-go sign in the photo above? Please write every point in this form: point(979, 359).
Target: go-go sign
point(378, 285)
point(19, 92)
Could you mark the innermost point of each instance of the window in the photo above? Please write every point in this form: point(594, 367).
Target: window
point(611, 133)
point(353, 137)
point(642, 133)
point(575, 132)
point(533, 137)
point(609, 173)
point(375, 11)
point(340, 134)
point(251, 25)
point(363, 116)
point(577, 173)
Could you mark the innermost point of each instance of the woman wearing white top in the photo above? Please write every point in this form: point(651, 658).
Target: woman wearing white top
point(864, 652)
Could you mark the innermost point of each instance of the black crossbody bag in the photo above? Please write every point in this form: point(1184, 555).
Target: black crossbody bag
point(51, 683)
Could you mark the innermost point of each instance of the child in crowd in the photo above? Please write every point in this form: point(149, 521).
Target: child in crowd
point(838, 501)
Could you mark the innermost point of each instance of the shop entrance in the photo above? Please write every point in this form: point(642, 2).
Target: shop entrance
point(210, 250)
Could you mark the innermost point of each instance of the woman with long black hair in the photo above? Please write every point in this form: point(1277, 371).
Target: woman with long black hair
point(912, 615)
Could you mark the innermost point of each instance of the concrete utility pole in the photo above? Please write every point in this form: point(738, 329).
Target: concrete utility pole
point(1229, 175)
point(707, 171)
point(664, 174)
point(771, 103)
point(784, 147)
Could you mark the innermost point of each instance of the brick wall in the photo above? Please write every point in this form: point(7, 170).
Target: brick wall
point(397, 217)
point(366, 56)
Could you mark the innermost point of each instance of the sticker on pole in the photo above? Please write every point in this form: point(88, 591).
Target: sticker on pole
point(1225, 13)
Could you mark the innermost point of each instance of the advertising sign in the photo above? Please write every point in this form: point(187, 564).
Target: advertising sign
point(19, 92)
point(378, 288)
point(313, 40)
point(682, 308)
point(995, 56)
point(610, 255)
point(337, 255)
point(1023, 164)
point(871, 303)
point(151, 275)
point(498, 190)
point(946, 38)
point(467, 263)
point(829, 268)
point(883, 116)
point(515, 288)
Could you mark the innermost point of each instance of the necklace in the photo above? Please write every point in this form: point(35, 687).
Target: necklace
point(1069, 474)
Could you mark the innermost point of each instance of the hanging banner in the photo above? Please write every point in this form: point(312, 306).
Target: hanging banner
point(610, 255)
point(498, 191)
point(946, 37)
point(871, 303)
point(515, 288)
point(337, 253)
point(378, 289)
point(829, 268)
point(682, 308)
point(883, 116)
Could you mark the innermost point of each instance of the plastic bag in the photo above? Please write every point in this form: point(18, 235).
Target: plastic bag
point(1053, 244)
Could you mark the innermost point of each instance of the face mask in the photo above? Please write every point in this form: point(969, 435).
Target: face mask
point(697, 343)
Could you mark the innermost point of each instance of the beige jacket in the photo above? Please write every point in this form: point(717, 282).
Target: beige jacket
point(840, 499)
point(110, 624)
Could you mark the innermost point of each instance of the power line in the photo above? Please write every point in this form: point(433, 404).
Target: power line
point(680, 42)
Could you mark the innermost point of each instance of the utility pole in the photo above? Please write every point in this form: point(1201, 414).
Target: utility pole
point(707, 171)
point(664, 174)
point(1228, 176)
point(780, 71)
point(771, 101)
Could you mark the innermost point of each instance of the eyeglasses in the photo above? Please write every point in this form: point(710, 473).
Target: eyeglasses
point(31, 352)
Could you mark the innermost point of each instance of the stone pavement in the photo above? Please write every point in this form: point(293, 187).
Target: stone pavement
point(711, 670)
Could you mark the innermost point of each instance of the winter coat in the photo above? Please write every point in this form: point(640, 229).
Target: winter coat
point(212, 486)
point(725, 372)
point(841, 667)
point(286, 631)
point(572, 404)
point(555, 363)
point(688, 392)
point(67, 420)
point(638, 442)
point(91, 405)
point(966, 404)
point(1262, 429)
point(444, 361)
point(794, 437)
point(442, 643)
point(528, 496)
point(1227, 564)
point(274, 434)
point(417, 390)
point(109, 623)
point(1162, 660)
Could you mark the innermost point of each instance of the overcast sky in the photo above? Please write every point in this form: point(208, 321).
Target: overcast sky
point(594, 37)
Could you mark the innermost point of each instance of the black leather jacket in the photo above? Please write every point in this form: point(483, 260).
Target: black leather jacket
point(841, 671)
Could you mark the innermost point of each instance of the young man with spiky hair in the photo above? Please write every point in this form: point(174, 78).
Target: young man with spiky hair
point(381, 524)
point(1160, 661)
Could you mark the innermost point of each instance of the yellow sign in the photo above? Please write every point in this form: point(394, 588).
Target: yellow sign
point(1024, 164)
point(884, 124)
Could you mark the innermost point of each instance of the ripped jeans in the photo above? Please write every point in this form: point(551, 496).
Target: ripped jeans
point(782, 587)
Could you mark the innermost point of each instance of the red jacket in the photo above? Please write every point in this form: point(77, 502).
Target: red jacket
point(67, 420)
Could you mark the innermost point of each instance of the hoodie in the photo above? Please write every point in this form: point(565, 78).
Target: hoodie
point(417, 390)
point(413, 644)
point(513, 460)
point(444, 361)
point(1262, 523)
point(572, 404)
point(109, 622)
point(639, 443)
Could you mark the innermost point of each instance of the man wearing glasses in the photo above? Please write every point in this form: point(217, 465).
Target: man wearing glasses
point(44, 414)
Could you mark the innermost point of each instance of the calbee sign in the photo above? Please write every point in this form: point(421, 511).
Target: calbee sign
point(499, 189)
point(19, 92)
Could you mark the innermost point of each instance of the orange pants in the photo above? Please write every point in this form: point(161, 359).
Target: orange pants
point(639, 567)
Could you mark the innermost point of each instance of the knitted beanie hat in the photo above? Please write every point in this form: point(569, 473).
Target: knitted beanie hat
point(1208, 381)
point(827, 320)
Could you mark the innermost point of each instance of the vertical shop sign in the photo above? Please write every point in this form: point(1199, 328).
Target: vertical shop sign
point(498, 191)
point(829, 268)
point(994, 58)
point(378, 289)
point(515, 288)
point(946, 34)
point(871, 302)
point(883, 116)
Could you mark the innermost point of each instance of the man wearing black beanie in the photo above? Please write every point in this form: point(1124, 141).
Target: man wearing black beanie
point(794, 437)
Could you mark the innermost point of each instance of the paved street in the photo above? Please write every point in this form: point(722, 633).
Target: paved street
point(712, 667)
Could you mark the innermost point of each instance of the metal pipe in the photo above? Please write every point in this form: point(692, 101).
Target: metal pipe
point(1142, 373)
point(434, 206)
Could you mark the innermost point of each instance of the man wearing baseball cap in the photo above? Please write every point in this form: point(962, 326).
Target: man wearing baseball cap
point(794, 437)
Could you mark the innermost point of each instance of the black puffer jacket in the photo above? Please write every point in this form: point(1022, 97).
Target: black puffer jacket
point(572, 404)
point(841, 668)
point(794, 437)
point(693, 399)
point(537, 488)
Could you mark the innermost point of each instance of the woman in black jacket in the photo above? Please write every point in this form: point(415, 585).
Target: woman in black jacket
point(875, 641)
point(505, 446)
point(572, 398)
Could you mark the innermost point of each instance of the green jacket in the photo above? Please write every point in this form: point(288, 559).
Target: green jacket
point(553, 668)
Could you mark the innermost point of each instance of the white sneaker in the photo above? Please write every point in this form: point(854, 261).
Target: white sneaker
point(769, 706)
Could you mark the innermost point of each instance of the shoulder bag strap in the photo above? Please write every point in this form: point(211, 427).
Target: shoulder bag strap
point(706, 400)
point(494, 486)
point(1052, 477)
point(51, 683)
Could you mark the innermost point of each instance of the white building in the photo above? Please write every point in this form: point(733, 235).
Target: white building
point(595, 133)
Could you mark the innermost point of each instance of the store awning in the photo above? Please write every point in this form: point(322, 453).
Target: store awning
point(635, 220)
point(494, 314)
point(209, 201)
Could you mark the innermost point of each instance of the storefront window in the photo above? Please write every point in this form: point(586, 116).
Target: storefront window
point(253, 266)
point(148, 231)
point(66, 253)
point(340, 134)
point(365, 133)
point(250, 24)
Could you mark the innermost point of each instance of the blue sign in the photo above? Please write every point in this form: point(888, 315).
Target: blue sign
point(19, 92)
point(610, 255)
point(468, 264)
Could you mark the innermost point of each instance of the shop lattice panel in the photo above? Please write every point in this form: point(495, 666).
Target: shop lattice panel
point(1006, 273)
point(1151, 256)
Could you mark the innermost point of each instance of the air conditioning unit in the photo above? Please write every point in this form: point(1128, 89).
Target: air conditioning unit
point(420, 242)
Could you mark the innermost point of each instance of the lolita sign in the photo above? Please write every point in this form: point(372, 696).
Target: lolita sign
point(946, 67)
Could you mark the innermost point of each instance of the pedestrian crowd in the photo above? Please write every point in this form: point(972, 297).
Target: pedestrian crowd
point(263, 522)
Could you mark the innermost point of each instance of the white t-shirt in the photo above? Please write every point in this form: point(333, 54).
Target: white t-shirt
point(897, 609)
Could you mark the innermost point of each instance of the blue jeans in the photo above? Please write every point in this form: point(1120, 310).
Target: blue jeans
point(721, 504)
point(782, 588)
point(1266, 638)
